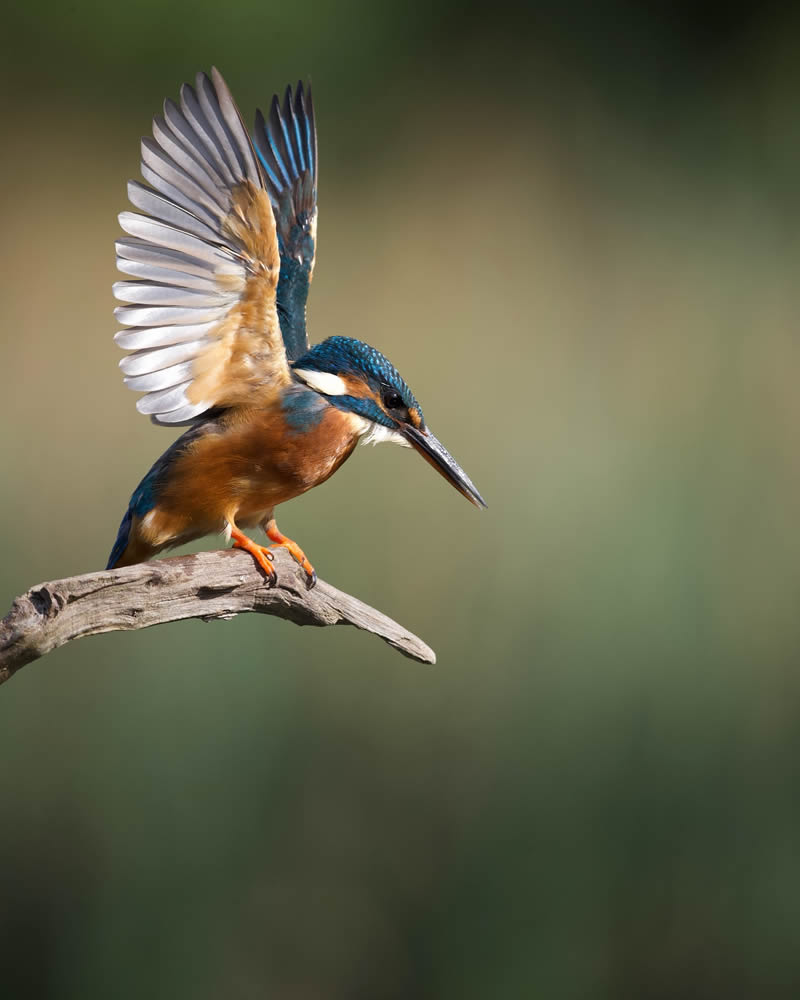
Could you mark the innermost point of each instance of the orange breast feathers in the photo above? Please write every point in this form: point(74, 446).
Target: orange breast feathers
point(249, 464)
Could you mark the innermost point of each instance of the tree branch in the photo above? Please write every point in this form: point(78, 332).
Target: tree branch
point(210, 585)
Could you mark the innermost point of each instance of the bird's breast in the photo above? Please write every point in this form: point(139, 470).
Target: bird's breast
point(303, 457)
point(257, 459)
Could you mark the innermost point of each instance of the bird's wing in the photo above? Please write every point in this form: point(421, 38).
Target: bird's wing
point(287, 147)
point(202, 316)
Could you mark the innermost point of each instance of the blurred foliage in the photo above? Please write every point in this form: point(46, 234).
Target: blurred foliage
point(574, 229)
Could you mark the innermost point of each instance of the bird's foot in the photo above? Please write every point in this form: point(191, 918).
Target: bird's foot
point(281, 541)
point(260, 553)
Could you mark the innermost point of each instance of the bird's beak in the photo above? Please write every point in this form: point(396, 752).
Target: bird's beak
point(437, 455)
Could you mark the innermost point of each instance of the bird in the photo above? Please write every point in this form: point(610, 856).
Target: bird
point(218, 261)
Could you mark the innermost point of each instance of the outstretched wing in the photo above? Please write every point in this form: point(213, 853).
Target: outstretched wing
point(287, 148)
point(202, 316)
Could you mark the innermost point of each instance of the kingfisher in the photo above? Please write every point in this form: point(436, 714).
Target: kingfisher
point(219, 260)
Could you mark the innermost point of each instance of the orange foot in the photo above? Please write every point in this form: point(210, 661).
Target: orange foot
point(295, 551)
point(260, 553)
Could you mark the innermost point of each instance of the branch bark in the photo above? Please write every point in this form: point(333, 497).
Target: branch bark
point(210, 586)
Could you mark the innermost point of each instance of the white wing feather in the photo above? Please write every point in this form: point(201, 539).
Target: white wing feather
point(191, 266)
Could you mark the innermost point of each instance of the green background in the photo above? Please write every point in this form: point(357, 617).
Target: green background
point(574, 229)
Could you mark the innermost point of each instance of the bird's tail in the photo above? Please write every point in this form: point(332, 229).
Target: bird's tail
point(123, 536)
point(130, 547)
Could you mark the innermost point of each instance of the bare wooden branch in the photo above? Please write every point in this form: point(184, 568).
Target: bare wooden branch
point(210, 585)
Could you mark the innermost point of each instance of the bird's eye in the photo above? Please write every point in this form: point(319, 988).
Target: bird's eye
point(393, 400)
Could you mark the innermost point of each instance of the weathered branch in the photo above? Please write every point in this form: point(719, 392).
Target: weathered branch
point(209, 585)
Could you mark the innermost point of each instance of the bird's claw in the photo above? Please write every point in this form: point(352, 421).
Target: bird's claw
point(281, 541)
point(265, 560)
point(262, 555)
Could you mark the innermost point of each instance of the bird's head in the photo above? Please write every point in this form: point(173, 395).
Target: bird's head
point(359, 380)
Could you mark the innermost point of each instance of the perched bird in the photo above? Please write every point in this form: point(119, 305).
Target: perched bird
point(216, 319)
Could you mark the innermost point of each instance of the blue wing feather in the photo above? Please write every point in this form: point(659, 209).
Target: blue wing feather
point(286, 144)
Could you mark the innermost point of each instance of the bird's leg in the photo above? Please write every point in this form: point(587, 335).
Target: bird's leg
point(260, 553)
point(295, 551)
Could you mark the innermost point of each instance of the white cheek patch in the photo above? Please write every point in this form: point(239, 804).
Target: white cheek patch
point(372, 433)
point(324, 382)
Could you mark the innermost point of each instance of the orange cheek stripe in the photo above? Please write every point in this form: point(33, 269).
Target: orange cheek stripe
point(356, 387)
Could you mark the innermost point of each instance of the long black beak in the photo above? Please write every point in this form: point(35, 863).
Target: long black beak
point(437, 455)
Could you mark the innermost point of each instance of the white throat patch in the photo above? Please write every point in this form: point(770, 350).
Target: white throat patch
point(372, 433)
point(324, 382)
